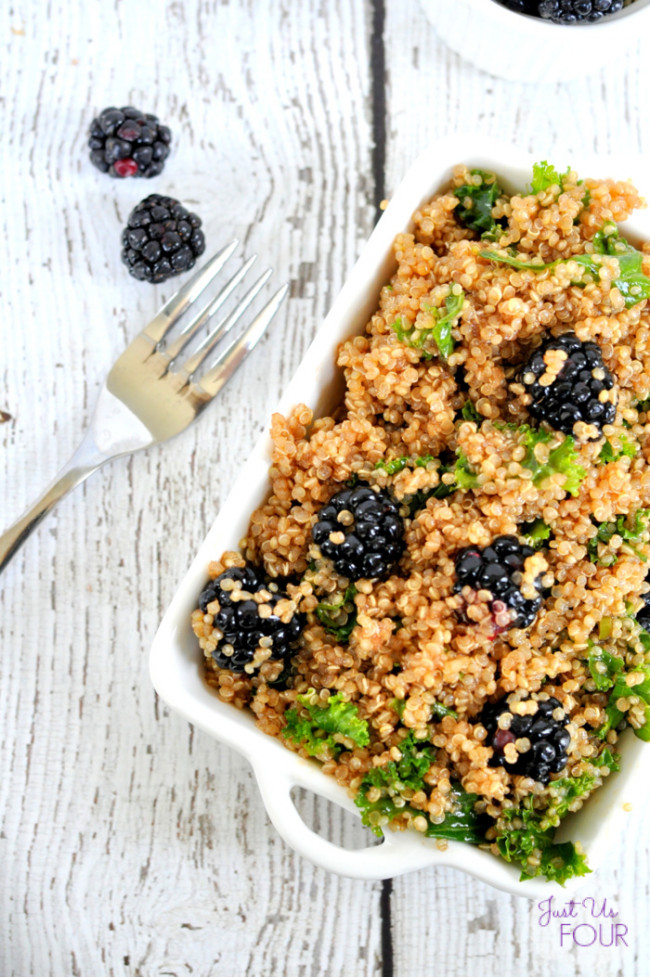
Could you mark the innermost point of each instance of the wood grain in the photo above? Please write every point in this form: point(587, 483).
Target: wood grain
point(131, 844)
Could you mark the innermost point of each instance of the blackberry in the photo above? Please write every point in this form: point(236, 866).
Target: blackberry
point(565, 379)
point(252, 632)
point(498, 569)
point(539, 740)
point(126, 142)
point(161, 239)
point(361, 531)
point(578, 11)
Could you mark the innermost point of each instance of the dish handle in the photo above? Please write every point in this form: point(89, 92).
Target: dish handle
point(392, 857)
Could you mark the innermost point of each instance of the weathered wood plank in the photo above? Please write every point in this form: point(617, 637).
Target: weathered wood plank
point(131, 844)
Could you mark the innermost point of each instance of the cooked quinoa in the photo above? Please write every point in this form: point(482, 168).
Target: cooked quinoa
point(435, 417)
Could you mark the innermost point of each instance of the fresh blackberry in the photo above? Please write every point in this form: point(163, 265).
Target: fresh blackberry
point(126, 142)
point(361, 531)
point(252, 632)
point(498, 569)
point(161, 239)
point(578, 11)
point(566, 379)
point(539, 740)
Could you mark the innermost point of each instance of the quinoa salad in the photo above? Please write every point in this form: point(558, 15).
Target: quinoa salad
point(444, 598)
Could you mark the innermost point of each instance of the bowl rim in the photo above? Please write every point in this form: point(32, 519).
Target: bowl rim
point(529, 24)
point(174, 663)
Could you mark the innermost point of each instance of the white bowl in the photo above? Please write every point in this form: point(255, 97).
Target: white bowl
point(175, 662)
point(529, 49)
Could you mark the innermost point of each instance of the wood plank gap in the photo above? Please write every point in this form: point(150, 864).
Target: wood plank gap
point(386, 928)
point(378, 93)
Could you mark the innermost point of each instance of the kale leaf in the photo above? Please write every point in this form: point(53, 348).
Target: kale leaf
point(630, 535)
point(439, 332)
point(470, 413)
point(545, 175)
point(626, 450)
point(396, 465)
point(476, 202)
point(633, 285)
point(464, 479)
point(535, 533)
point(603, 667)
point(562, 459)
point(408, 773)
point(328, 615)
point(338, 717)
point(440, 711)
point(529, 831)
point(621, 690)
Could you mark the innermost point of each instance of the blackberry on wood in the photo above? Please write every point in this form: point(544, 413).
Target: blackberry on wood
point(568, 383)
point(253, 628)
point(499, 569)
point(532, 744)
point(161, 239)
point(361, 531)
point(126, 142)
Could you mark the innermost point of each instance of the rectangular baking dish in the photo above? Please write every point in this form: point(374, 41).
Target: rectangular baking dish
point(175, 659)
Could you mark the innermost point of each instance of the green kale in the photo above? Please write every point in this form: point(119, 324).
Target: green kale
point(399, 705)
point(633, 285)
point(529, 831)
point(463, 823)
point(440, 711)
point(643, 406)
point(621, 690)
point(464, 479)
point(470, 413)
point(607, 453)
point(556, 862)
point(445, 323)
point(475, 208)
point(396, 465)
point(545, 175)
point(328, 615)
point(439, 332)
point(630, 535)
point(338, 717)
point(535, 533)
point(603, 667)
point(509, 259)
point(562, 459)
point(408, 773)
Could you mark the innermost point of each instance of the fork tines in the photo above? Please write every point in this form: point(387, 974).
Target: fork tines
point(221, 369)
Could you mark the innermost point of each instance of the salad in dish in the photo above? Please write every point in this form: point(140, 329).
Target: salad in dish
point(444, 598)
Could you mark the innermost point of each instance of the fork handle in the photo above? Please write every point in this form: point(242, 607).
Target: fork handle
point(86, 460)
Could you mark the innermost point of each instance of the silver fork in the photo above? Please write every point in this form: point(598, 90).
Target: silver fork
point(146, 397)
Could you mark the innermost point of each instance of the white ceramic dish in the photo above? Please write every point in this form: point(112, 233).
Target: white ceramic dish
point(175, 661)
point(529, 49)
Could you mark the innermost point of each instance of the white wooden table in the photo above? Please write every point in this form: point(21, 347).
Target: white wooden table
point(129, 843)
